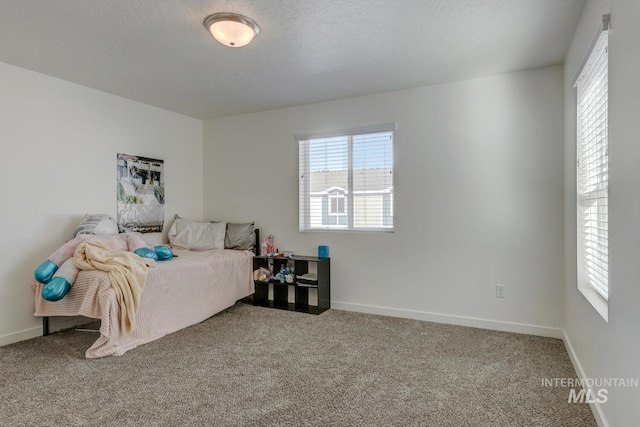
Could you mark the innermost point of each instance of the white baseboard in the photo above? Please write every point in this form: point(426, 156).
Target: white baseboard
point(595, 407)
point(496, 325)
point(56, 324)
point(20, 336)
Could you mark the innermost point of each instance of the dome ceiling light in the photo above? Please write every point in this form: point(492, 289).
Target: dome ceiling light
point(231, 29)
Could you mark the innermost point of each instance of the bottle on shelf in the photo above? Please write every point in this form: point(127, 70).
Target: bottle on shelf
point(270, 248)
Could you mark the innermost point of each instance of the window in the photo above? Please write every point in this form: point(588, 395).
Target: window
point(593, 176)
point(346, 180)
point(336, 203)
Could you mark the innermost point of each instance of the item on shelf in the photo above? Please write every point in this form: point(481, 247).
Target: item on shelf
point(262, 274)
point(323, 251)
point(283, 274)
point(309, 276)
point(280, 276)
point(264, 247)
point(308, 280)
point(288, 254)
point(270, 247)
point(306, 285)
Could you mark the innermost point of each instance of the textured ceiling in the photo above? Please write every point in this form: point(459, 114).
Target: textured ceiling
point(158, 52)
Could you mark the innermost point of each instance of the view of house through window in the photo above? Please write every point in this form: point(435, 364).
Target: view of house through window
point(346, 181)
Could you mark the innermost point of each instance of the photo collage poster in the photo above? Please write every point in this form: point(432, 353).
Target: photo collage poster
point(140, 194)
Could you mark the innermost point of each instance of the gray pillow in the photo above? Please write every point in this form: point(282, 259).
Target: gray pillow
point(240, 236)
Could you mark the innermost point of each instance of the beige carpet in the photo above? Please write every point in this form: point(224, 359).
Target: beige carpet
point(253, 366)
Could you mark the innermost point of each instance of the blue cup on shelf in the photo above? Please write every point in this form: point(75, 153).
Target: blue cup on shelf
point(323, 251)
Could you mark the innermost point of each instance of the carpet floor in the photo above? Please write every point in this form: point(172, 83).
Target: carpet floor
point(254, 366)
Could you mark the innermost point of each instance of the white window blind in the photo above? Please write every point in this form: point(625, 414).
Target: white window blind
point(593, 169)
point(346, 180)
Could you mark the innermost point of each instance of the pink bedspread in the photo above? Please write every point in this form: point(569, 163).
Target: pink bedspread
point(179, 293)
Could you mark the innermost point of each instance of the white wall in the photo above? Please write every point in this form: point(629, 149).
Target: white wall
point(59, 144)
point(601, 349)
point(478, 198)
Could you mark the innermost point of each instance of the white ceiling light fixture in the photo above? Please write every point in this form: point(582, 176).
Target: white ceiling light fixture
point(231, 29)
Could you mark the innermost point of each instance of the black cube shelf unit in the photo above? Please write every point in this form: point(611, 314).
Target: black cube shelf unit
point(300, 286)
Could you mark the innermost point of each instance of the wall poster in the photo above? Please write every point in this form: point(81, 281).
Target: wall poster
point(140, 194)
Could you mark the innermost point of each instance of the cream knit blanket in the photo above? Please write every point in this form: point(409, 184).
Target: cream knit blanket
point(127, 273)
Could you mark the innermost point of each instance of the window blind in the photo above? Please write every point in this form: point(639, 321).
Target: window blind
point(593, 167)
point(346, 180)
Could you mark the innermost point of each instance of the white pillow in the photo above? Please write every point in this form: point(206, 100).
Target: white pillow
point(102, 224)
point(196, 235)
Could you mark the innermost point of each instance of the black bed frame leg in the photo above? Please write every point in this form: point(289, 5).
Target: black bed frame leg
point(45, 326)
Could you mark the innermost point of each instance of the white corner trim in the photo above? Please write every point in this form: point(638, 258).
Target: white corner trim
point(20, 336)
point(595, 407)
point(473, 322)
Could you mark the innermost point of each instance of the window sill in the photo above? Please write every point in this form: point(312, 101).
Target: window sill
point(595, 299)
point(343, 229)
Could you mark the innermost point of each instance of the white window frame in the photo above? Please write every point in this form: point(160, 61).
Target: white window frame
point(592, 169)
point(304, 203)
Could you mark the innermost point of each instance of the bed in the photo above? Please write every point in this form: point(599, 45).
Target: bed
point(186, 290)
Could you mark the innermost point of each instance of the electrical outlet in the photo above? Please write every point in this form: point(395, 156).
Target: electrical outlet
point(501, 291)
